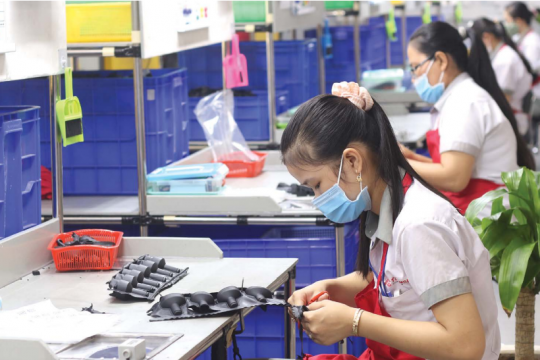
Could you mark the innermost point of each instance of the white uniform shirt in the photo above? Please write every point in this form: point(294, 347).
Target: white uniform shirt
point(529, 45)
point(470, 121)
point(434, 254)
point(514, 80)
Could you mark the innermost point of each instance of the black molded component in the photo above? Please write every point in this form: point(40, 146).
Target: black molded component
point(204, 300)
point(173, 302)
point(129, 278)
point(229, 295)
point(165, 272)
point(152, 265)
point(157, 277)
point(135, 273)
point(144, 269)
point(259, 293)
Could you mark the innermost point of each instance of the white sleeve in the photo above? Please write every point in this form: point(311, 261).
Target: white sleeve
point(506, 75)
point(430, 260)
point(531, 52)
point(462, 126)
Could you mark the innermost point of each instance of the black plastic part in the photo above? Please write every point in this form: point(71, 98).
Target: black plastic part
point(155, 284)
point(135, 273)
point(242, 220)
point(36, 272)
point(144, 269)
point(127, 52)
point(204, 299)
point(173, 302)
point(229, 295)
point(259, 293)
point(146, 287)
point(322, 221)
point(121, 285)
point(159, 260)
point(164, 272)
point(152, 265)
point(142, 220)
point(159, 278)
point(129, 278)
point(139, 292)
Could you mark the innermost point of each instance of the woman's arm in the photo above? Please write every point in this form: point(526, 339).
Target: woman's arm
point(342, 289)
point(411, 155)
point(458, 333)
point(452, 174)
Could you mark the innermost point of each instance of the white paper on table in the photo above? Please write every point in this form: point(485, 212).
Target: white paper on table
point(52, 325)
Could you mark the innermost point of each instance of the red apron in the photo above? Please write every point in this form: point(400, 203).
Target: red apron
point(368, 299)
point(476, 187)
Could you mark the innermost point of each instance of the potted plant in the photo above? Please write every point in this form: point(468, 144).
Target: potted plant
point(511, 237)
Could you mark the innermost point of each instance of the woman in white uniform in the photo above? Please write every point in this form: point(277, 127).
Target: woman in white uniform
point(518, 20)
point(474, 135)
point(422, 289)
point(513, 71)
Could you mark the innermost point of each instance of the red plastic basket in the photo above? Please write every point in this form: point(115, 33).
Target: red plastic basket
point(86, 257)
point(244, 168)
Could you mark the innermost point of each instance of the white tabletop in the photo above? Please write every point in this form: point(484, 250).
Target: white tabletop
point(79, 289)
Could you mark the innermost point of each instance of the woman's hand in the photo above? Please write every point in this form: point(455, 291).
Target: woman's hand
point(328, 322)
point(407, 153)
point(303, 296)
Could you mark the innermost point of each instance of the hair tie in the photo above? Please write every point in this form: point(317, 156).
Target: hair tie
point(359, 96)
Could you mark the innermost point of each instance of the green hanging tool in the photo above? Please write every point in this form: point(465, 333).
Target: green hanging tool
point(391, 28)
point(426, 16)
point(69, 114)
point(459, 13)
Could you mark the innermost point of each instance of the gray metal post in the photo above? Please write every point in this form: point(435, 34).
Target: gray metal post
point(357, 56)
point(139, 120)
point(56, 158)
point(290, 329)
point(404, 38)
point(271, 76)
point(223, 53)
point(322, 70)
point(340, 267)
point(388, 60)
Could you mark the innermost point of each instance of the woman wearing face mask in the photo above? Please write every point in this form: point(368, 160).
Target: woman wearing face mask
point(422, 288)
point(514, 74)
point(474, 134)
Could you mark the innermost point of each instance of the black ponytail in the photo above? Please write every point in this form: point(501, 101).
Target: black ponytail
point(323, 127)
point(441, 36)
point(484, 25)
point(518, 10)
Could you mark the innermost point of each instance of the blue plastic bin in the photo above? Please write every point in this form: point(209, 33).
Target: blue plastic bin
point(20, 183)
point(263, 337)
point(296, 67)
point(372, 51)
point(314, 246)
point(250, 113)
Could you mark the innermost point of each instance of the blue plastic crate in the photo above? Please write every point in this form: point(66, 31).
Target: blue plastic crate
point(313, 246)
point(20, 183)
point(296, 67)
point(263, 337)
point(109, 150)
point(250, 113)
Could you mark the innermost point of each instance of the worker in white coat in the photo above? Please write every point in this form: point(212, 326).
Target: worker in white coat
point(513, 71)
point(474, 135)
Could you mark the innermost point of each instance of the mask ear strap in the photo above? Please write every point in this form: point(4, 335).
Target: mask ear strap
point(340, 167)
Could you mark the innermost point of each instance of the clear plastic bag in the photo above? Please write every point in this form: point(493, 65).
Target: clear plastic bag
point(214, 113)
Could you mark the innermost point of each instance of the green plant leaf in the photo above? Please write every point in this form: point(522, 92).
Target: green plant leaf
point(532, 189)
point(512, 179)
point(497, 206)
point(530, 221)
point(499, 234)
point(479, 204)
point(512, 270)
point(495, 264)
point(533, 270)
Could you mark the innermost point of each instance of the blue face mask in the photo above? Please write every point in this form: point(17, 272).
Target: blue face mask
point(337, 207)
point(428, 93)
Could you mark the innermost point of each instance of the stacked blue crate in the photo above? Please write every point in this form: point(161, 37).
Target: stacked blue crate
point(373, 54)
point(396, 47)
point(109, 150)
point(20, 180)
point(296, 75)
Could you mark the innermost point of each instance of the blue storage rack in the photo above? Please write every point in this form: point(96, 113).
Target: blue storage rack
point(20, 180)
point(396, 47)
point(297, 79)
point(263, 337)
point(109, 150)
point(250, 113)
point(372, 51)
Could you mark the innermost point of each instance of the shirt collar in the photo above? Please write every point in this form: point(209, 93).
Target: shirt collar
point(380, 226)
point(495, 51)
point(458, 80)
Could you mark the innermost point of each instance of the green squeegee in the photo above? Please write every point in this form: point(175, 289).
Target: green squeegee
point(69, 114)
